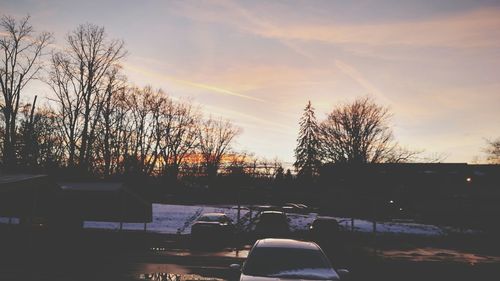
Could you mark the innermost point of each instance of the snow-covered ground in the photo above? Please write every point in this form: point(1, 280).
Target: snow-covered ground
point(177, 219)
point(6, 220)
point(170, 219)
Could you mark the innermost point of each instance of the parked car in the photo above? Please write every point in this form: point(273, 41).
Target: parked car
point(212, 226)
point(271, 224)
point(296, 208)
point(324, 229)
point(272, 259)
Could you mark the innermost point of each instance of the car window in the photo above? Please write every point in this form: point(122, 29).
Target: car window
point(273, 217)
point(289, 263)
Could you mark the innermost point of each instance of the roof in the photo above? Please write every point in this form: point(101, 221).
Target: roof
point(26, 183)
point(6, 179)
point(92, 186)
point(286, 243)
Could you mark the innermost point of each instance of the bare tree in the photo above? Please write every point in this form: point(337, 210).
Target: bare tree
point(493, 151)
point(80, 80)
point(110, 122)
point(358, 133)
point(69, 101)
point(240, 164)
point(180, 136)
point(216, 138)
point(40, 142)
point(146, 110)
point(21, 49)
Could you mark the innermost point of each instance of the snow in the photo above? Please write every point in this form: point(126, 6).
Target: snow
point(171, 219)
point(308, 273)
point(101, 225)
point(298, 222)
point(6, 220)
point(178, 219)
point(392, 227)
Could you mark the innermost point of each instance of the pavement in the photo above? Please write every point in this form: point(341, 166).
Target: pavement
point(105, 255)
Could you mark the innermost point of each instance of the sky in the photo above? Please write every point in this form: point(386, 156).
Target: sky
point(434, 63)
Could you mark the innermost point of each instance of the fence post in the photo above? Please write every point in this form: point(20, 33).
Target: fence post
point(239, 212)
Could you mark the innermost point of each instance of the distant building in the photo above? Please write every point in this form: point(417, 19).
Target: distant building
point(30, 198)
point(38, 200)
point(430, 178)
point(105, 201)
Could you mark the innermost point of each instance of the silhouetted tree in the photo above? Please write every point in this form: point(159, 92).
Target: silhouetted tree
point(288, 176)
point(20, 52)
point(279, 175)
point(307, 152)
point(179, 138)
point(80, 78)
point(358, 133)
point(147, 109)
point(39, 142)
point(216, 138)
point(110, 124)
point(493, 151)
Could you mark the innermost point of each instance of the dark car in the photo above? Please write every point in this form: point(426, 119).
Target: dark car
point(324, 229)
point(271, 224)
point(286, 259)
point(212, 226)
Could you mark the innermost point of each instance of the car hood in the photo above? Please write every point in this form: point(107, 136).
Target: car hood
point(258, 278)
point(302, 274)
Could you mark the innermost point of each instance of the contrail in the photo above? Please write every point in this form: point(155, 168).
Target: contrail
point(191, 83)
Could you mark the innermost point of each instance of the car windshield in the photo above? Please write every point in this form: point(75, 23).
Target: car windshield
point(289, 263)
point(272, 217)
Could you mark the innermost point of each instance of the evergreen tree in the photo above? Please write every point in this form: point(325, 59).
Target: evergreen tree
point(307, 152)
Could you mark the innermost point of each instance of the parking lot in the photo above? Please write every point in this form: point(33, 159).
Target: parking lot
point(165, 250)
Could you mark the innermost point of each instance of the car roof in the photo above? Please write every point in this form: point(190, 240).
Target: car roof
point(213, 215)
point(286, 243)
point(272, 212)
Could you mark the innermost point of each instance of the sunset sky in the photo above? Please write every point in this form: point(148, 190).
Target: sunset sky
point(436, 64)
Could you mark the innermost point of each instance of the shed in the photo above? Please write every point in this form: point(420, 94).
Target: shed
point(105, 201)
point(31, 198)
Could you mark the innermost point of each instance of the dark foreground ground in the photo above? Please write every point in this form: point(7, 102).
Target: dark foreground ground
point(103, 255)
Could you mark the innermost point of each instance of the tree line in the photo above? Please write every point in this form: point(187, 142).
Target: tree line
point(97, 122)
point(357, 133)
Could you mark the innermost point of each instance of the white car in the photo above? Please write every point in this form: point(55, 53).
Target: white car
point(272, 259)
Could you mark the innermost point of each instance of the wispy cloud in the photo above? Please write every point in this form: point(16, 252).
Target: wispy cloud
point(210, 88)
point(355, 75)
point(479, 28)
point(476, 28)
point(251, 120)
